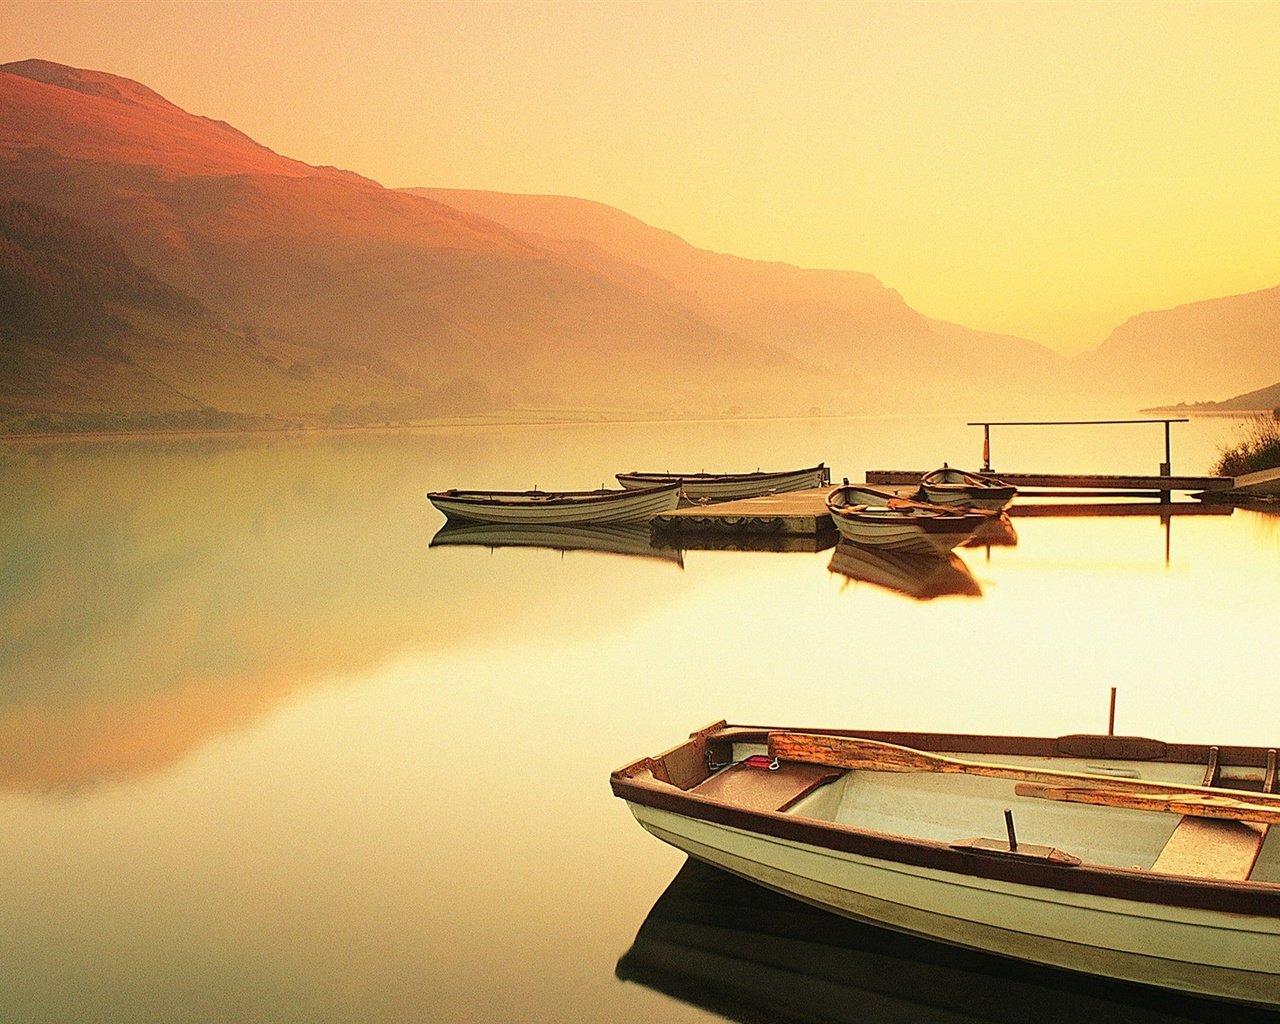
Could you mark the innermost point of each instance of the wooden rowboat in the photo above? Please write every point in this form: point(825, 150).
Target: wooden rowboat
point(710, 487)
point(1148, 862)
point(545, 507)
point(867, 515)
point(949, 486)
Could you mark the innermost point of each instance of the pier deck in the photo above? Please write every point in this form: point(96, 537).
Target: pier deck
point(796, 513)
point(803, 514)
point(1076, 481)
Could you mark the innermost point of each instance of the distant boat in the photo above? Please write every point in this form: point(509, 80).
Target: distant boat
point(631, 539)
point(949, 486)
point(923, 575)
point(867, 515)
point(709, 487)
point(529, 507)
point(1116, 856)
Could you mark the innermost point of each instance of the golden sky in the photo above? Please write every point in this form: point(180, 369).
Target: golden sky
point(1046, 170)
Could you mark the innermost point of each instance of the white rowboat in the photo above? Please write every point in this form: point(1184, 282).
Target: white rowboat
point(909, 831)
point(948, 486)
point(563, 507)
point(866, 515)
point(710, 487)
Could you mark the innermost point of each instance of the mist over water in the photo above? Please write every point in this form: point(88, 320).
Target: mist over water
point(267, 755)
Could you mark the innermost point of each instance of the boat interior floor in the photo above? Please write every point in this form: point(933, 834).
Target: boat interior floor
point(767, 789)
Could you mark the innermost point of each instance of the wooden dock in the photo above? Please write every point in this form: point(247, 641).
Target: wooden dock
point(795, 513)
point(799, 520)
point(1076, 482)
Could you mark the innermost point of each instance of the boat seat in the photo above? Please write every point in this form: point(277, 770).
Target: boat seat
point(758, 789)
point(1212, 848)
point(1215, 847)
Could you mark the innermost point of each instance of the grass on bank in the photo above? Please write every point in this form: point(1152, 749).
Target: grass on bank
point(1256, 447)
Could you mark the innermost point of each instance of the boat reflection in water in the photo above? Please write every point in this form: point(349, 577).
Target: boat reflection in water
point(922, 574)
point(996, 532)
point(752, 955)
point(608, 538)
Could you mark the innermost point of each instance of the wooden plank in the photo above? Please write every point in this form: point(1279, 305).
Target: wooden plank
point(873, 755)
point(1173, 802)
point(793, 512)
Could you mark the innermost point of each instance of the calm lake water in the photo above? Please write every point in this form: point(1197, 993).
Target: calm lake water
point(268, 756)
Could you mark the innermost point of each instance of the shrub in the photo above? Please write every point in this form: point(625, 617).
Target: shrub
point(1257, 447)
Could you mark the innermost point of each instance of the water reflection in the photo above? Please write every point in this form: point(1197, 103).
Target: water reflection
point(923, 575)
point(633, 539)
point(155, 595)
point(742, 540)
point(996, 532)
point(752, 955)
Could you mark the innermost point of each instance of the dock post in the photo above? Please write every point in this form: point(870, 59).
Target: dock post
point(986, 447)
point(1166, 467)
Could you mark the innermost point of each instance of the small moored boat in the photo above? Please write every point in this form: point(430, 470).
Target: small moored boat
point(546, 507)
point(867, 515)
point(709, 487)
point(1114, 856)
point(949, 486)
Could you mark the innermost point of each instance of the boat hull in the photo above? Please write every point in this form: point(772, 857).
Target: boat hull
point(898, 532)
point(709, 487)
point(1220, 954)
point(949, 486)
point(996, 498)
point(550, 508)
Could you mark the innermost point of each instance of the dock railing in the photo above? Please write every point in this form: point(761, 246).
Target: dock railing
point(986, 425)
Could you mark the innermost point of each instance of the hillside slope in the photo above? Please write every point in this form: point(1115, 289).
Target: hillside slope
point(335, 264)
point(1193, 352)
point(827, 317)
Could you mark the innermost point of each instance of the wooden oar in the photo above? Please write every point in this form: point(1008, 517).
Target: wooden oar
point(1197, 804)
point(873, 755)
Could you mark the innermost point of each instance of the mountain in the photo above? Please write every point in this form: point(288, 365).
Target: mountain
point(354, 274)
point(92, 341)
point(1193, 352)
point(825, 317)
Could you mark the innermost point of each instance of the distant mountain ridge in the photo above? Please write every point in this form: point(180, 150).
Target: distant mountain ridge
point(348, 270)
point(379, 300)
point(826, 317)
point(1194, 351)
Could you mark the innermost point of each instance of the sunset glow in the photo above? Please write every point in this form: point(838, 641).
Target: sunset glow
point(1042, 170)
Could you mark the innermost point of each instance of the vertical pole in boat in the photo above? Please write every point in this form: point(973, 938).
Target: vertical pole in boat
point(1008, 825)
point(986, 447)
point(1111, 719)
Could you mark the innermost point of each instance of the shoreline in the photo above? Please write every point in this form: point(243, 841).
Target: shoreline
point(586, 420)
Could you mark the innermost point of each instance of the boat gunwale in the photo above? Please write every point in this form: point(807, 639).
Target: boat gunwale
point(1250, 898)
point(758, 476)
point(975, 481)
point(545, 499)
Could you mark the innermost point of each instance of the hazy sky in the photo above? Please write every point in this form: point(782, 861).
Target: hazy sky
point(1045, 170)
